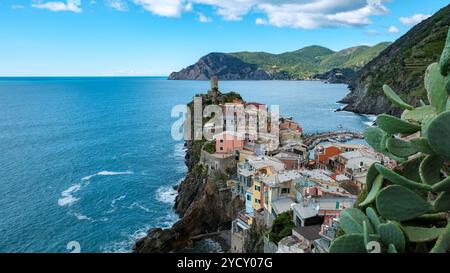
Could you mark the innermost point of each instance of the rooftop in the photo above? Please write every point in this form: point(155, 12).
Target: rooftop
point(280, 177)
point(282, 205)
point(350, 155)
point(318, 174)
point(305, 212)
point(265, 161)
point(310, 233)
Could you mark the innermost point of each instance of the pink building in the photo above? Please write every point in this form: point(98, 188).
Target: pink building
point(228, 142)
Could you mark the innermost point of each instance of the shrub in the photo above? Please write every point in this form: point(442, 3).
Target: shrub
point(282, 227)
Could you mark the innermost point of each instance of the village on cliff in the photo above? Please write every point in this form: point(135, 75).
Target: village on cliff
point(293, 186)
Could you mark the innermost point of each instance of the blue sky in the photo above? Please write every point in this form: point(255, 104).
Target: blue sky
point(155, 37)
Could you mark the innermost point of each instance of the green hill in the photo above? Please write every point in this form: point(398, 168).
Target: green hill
point(402, 66)
point(300, 64)
point(311, 60)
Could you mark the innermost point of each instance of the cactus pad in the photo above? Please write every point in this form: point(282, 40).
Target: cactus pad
point(394, 98)
point(436, 85)
point(430, 169)
point(400, 148)
point(349, 243)
point(391, 233)
point(422, 145)
point(401, 204)
point(438, 133)
point(422, 234)
point(378, 183)
point(352, 220)
point(394, 125)
point(396, 178)
point(442, 202)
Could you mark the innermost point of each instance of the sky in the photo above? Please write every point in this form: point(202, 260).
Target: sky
point(156, 37)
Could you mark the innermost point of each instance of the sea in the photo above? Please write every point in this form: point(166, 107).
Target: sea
point(89, 164)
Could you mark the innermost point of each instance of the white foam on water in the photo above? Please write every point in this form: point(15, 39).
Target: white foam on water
point(81, 217)
point(179, 150)
point(113, 203)
point(168, 220)
point(105, 173)
point(67, 198)
point(181, 169)
point(370, 120)
point(125, 246)
point(139, 206)
point(166, 194)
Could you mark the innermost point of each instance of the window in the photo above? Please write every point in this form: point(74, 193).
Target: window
point(249, 184)
point(257, 201)
point(257, 188)
point(221, 148)
point(285, 190)
point(221, 141)
point(249, 197)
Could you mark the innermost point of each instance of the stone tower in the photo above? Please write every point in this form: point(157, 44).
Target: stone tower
point(214, 83)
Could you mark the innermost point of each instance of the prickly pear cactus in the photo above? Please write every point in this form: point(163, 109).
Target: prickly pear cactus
point(407, 208)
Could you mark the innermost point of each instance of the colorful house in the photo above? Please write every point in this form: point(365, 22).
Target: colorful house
point(289, 123)
point(229, 142)
point(324, 153)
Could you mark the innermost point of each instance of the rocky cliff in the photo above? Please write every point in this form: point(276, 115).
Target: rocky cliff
point(401, 65)
point(225, 66)
point(336, 75)
point(202, 204)
point(300, 64)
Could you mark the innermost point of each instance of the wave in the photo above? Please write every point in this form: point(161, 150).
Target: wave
point(370, 120)
point(166, 194)
point(125, 246)
point(179, 150)
point(181, 169)
point(105, 173)
point(67, 198)
point(113, 203)
point(167, 221)
point(81, 217)
point(140, 206)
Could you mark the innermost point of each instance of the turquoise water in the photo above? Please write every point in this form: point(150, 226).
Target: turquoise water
point(92, 159)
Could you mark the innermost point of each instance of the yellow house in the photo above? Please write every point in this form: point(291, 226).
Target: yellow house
point(258, 186)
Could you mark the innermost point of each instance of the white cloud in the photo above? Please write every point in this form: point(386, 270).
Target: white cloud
point(230, 10)
point(69, 5)
point(17, 7)
point(414, 20)
point(306, 14)
point(393, 29)
point(119, 5)
point(260, 21)
point(166, 8)
point(203, 19)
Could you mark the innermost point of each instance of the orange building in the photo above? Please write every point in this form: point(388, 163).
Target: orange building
point(228, 142)
point(323, 153)
point(288, 123)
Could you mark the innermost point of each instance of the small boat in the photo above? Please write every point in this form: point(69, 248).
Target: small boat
point(332, 140)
